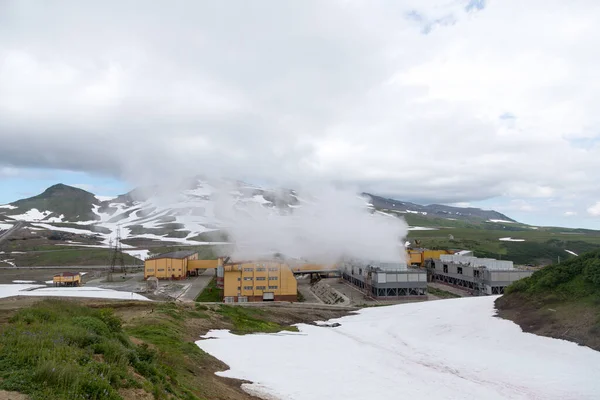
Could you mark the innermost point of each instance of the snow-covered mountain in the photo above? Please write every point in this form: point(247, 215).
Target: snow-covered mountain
point(187, 212)
point(184, 213)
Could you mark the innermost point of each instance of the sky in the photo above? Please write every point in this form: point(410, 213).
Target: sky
point(484, 103)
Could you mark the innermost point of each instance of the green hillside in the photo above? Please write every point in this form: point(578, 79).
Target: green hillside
point(561, 300)
point(540, 245)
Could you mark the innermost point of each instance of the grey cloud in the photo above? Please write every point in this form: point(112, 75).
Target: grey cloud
point(293, 92)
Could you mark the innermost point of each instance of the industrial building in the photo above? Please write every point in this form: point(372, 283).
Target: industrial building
point(67, 279)
point(418, 257)
point(385, 280)
point(480, 276)
point(173, 265)
point(258, 281)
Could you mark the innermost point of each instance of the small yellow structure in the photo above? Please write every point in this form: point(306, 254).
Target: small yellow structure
point(418, 256)
point(173, 265)
point(67, 279)
point(259, 281)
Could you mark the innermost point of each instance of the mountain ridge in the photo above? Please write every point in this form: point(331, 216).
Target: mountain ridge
point(438, 210)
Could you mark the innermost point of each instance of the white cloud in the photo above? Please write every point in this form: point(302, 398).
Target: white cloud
point(594, 210)
point(570, 213)
point(289, 91)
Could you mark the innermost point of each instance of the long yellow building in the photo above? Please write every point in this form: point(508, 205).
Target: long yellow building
point(259, 281)
point(173, 265)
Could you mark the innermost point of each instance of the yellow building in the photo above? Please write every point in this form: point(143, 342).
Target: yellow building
point(173, 265)
point(67, 279)
point(418, 256)
point(196, 267)
point(259, 281)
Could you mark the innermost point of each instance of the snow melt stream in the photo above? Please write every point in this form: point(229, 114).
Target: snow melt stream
point(447, 349)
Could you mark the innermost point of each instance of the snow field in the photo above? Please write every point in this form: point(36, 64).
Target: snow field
point(42, 290)
point(447, 349)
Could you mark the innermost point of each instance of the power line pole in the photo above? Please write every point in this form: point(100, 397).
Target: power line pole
point(117, 254)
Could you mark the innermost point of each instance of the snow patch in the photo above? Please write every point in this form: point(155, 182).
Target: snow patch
point(64, 229)
point(412, 350)
point(5, 227)
point(32, 215)
point(18, 281)
point(501, 221)
point(421, 228)
point(509, 239)
point(8, 206)
point(41, 290)
point(105, 198)
point(56, 219)
point(573, 253)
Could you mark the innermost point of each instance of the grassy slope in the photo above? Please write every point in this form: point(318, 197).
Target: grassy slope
point(63, 350)
point(67, 257)
point(211, 293)
point(541, 246)
point(561, 300)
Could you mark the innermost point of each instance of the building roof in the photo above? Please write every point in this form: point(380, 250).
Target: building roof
point(67, 274)
point(174, 254)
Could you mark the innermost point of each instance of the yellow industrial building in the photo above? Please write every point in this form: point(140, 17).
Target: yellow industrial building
point(417, 257)
point(67, 279)
point(258, 281)
point(173, 265)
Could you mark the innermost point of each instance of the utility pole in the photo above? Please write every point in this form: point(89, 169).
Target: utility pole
point(117, 254)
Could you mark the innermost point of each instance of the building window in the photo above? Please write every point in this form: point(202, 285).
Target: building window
point(261, 269)
point(273, 278)
point(161, 269)
point(273, 269)
point(261, 278)
point(247, 287)
point(247, 269)
point(150, 270)
point(445, 268)
point(459, 270)
point(239, 279)
point(247, 278)
point(273, 287)
point(476, 273)
point(260, 287)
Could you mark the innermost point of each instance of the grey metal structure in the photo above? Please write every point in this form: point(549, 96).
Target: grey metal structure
point(385, 280)
point(480, 276)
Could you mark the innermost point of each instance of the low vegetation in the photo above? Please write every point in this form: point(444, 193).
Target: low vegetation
point(442, 294)
point(561, 300)
point(211, 293)
point(574, 279)
point(59, 349)
point(250, 320)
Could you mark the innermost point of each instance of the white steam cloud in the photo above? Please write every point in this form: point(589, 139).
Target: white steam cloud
point(327, 225)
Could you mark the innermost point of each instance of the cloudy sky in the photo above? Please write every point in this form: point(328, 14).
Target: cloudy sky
point(487, 103)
